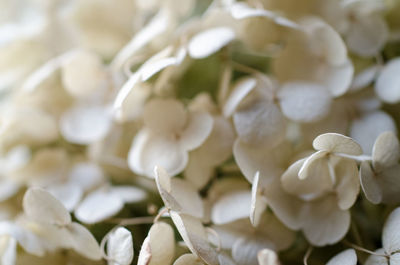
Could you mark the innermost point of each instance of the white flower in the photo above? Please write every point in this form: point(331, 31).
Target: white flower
point(346, 257)
point(169, 133)
point(120, 247)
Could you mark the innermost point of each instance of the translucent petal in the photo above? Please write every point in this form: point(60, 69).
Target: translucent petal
point(365, 78)
point(267, 257)
point(369, 183)
point(84, 242)
point(304, 102)
point(86, 175)
point(165, 116)
point(195, 237)
point(8, 188)
point(315, 164)
point(231, 207)
point(209, 41)
point(198, 128)
point(386, 151)
point(128, 194)
point(368, 127)
point(41, 206)
point(388, 82)
point(346, 257)
point(377, 260)
point(84, 125)
point(389, 183)
point(258, 202)
point(338, 78)
point(98, 206)
point(326, 224)
point(120, 247)
point(245, 250)
point(240, 90)
point(160, 245)
point(260, 123)
point(334, 142)
point(391, 232)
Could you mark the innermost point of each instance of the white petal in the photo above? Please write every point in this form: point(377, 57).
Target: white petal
point(334, 142)
point(198, 128)
point(368, 127)
point(195, 237)
point(128, 194)
point(377, 260)
point(326, 224)
point(386, 151)
point(209, 41)
point(149, 151)
point(267, 257)
point(260, 123)
point(29, 242)
point(369, 183)
point(391, 232)
point(365, 78)
point(387, 85)
point(8, 249)
point(304, 102)
point(232, 206)
point(245, 250)
point(388, 181)
point(98, 206)
point(41, 206)
point(120, 247)
point(8, 188)
point(240, 90)
point(83, 241)
point(258, 202)
point(159, 247)
point(84, 125)
point(346, 257)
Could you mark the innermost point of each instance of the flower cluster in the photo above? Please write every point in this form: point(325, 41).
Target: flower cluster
point(190, 132)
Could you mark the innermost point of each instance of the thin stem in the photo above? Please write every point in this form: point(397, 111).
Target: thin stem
point(364, 249)
point(307, 255)
point(359, 158)
point(160, 214)
point(132, 221)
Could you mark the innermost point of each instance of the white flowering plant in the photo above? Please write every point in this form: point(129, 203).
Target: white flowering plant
point(199, 132)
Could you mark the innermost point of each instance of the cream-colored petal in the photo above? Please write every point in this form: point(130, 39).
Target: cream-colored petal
point(159, 247)
point(85, 124)
point(188, 259)
point(348, 183)
point(386, 151)
point(148, 151)
point(165, 116)
point(258, 202)
point(41, 206)
point(334, 142)
point(325, 223)
point(304, 102)
point(128, 194)
point(391, 232)
point(260, 123)
point(84, 242)
point(196, 131)
point(245, 250)
point(195, 237)
point(231, 206)
point(369, 183)
point(346, 257)
point(240, 90)
point(68, 194)
point(209, 41)
point(315, 164)
point(267, 257)
point(178, 194)
point(377, 260)
point(388, 82)
point(368, 127)
point(389, 183)
point(120, 247)
point(367, 35)
point(98, 206)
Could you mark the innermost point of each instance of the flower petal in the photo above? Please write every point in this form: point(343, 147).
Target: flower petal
point(346, 257)
point(232, 206)
point(388, 82)
point(120, 247)
point(198, 128)
point(334, 142)
point(386, 151)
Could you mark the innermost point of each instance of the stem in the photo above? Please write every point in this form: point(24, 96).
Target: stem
point(307, 255)
point(359, 158)
point(132, 221)
point(364, 249)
